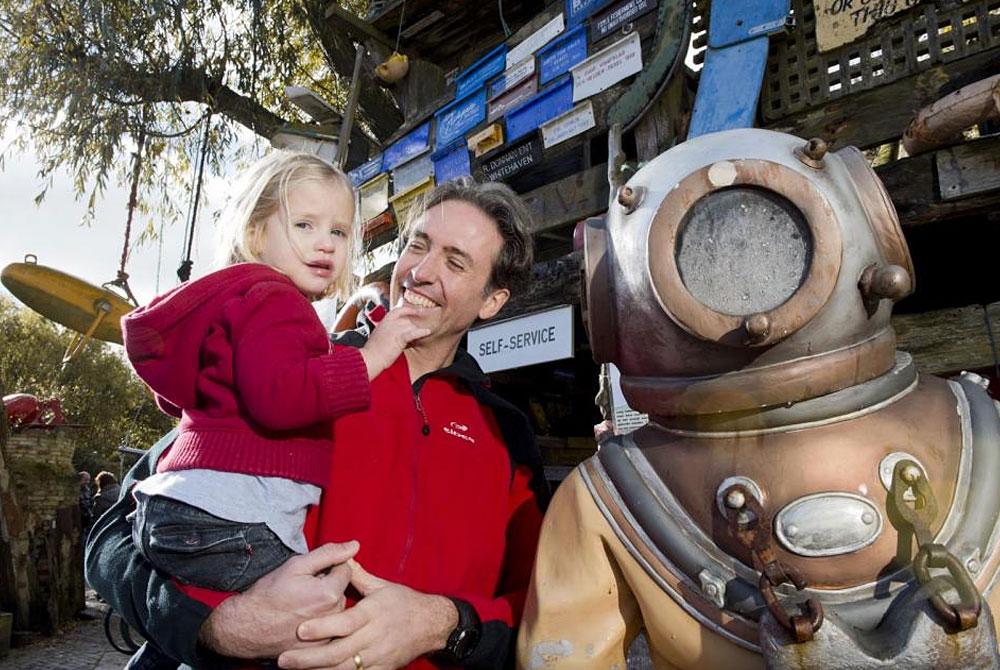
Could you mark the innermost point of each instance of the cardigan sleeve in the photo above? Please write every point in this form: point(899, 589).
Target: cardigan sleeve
point(287, 374)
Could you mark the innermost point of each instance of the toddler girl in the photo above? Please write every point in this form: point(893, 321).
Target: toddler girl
point(241, 357)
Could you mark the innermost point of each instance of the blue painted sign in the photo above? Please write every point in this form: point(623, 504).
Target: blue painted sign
point(479, 72)
point(365, 171)
point(550, 103)
point(559, 56)
point(733, 21)
point(408, 146)
point(454, 120)
point(729, 87)
point(578, 10)
point(451, 162)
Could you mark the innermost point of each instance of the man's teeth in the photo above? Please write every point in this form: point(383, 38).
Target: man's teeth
point(418, 300)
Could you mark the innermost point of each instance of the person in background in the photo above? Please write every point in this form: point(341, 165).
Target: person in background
point(86, 502)
point(107, 493)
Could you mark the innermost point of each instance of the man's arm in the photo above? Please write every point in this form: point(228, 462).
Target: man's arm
point(258, 623)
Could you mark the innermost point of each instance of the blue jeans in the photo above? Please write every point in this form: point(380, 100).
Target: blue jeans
point(199, 548)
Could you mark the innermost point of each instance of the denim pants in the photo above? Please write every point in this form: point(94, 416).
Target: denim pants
point(199, 548)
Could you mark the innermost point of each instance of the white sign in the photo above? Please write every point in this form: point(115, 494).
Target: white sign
point(378, 258)
point(624, 417)
point(578, 120)
point(513, 76)
point(535, 41)
point(839, 22)
point(526, 340)
point(607, 67)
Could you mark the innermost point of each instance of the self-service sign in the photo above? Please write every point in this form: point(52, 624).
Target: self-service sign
point(526, 340)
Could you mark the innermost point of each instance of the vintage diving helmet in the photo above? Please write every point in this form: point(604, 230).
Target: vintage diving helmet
point(802, 497)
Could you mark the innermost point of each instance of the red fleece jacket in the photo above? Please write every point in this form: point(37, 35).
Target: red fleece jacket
point(242, 358)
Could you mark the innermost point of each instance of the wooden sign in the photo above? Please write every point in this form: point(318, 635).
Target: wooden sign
point(402, 202)
point(375, 227)
point(414, 142)
point(840, 22)
point(607, 67)
point(578, 120)
point(512, 76)
point(481, 71)
point(511, 99)
point(578, 10)
point(548, 104)
point(486, 140)
point(411, 173)
point(535, 41)
point(617, 16)
point(365, 171)
point(452, 162)
point(506, 163)
point(374, 196)
point(561, 55)
point(461, 116)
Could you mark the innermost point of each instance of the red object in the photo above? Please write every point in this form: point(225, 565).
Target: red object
point(443, 512)
point(25, 410)
point(241, 356)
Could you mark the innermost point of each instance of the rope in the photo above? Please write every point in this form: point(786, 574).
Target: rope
point(503, 23)
point(121, 281)
point(184, 271)
point(399, 31)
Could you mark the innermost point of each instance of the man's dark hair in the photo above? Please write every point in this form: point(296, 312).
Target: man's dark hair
point(512, 267)
point(104, 480)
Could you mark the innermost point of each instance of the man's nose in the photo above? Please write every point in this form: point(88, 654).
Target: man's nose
point(426, 270)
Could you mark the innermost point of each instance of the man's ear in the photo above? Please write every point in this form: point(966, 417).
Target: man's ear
point(494, 303)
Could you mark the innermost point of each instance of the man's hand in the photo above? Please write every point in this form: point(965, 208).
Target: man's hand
point(261, 622)
point(389, 627)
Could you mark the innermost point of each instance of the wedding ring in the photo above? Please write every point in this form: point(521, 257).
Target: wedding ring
point(358, 663)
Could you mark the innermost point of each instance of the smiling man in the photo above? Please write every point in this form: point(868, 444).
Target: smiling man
point(439, 481)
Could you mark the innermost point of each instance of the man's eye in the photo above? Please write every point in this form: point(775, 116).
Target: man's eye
point(455, 265)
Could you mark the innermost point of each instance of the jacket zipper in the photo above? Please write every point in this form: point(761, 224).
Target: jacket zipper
point(426, 431)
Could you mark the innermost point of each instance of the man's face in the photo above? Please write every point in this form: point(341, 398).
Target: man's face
point(445, 268)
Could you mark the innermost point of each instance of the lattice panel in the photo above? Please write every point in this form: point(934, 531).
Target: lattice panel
point(800, 78)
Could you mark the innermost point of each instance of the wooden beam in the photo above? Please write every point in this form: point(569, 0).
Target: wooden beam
point(555, 282)
point(357, 27)
point(949, 339)
point(973, 168)
point(881, 114)
point(570, 199)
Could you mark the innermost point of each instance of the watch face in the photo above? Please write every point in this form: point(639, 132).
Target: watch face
point(464, 642)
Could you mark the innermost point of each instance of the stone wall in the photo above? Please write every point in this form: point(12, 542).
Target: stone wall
point(41, 574)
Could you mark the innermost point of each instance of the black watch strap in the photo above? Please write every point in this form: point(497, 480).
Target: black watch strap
point(465, 637)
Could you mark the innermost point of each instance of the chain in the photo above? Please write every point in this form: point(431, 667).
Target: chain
point(917, 518)
point(747, 522)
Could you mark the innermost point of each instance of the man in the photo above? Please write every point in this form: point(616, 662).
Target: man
point(86, 502)
point(440, 481)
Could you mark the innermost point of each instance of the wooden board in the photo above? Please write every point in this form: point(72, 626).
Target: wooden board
point(968, 169)
point(841, 22)
point(912, 184)
point(949, 339)
point(570, 199)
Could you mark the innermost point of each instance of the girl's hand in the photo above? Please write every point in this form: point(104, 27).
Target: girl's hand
point(393, 334)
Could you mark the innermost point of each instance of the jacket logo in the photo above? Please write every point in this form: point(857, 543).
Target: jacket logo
point(459, 430)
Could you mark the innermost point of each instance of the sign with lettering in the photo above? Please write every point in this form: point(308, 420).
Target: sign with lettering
point(508, 162)
point(535, 41)
point(461, 116)
point(408, 146)
point(511, 99)
point(578, 120)
point(527, 340)
point(578, 10)
point(403, 201)
point(512, 76)
point(452, 162)
point(378, 258)
point(607, 67)
point(561, 55)
point(624, 418)
point(374, 196)
point(550, 103)
point(365, 171)
point(481, 71)
point(411, 173)
point(840, 22)
point(618, 15)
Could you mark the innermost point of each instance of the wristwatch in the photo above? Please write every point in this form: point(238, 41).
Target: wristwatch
point(465, 636)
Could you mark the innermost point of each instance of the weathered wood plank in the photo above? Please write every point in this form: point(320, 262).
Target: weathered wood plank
point(949, 339)
point(554, 282)
point(881, 114)
point(913, 184)
point(570, 199)
point(969, 169)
